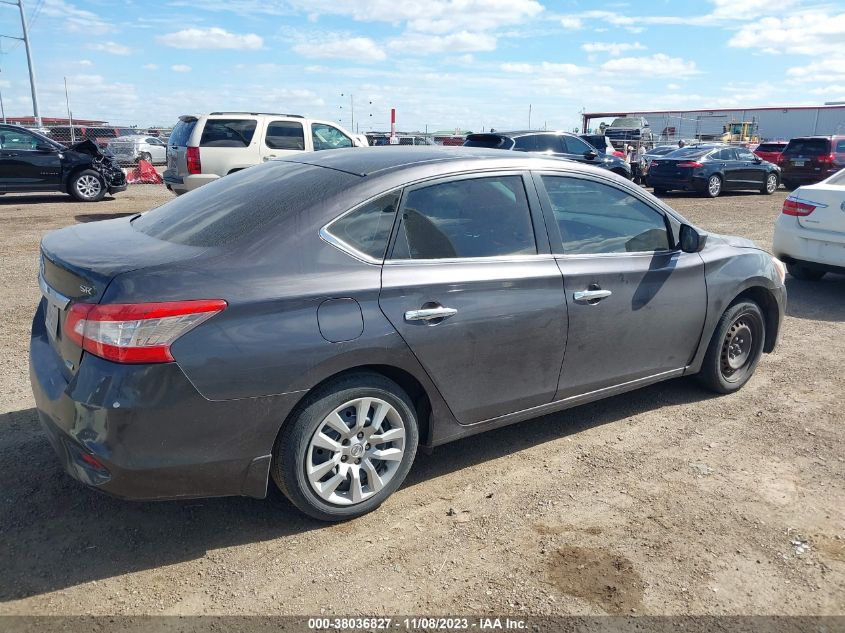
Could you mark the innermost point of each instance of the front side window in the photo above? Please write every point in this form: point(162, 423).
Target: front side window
point(550, 143)
point(576, 145)
point(228, 133)
point(596, 218)
point(367, 228)
point(744, 154)
point(18, 140)
point(474, 217)
point(285, 135)
point(328, 137)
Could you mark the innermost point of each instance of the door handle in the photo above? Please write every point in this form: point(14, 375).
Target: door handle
point(430, 314)
point(590, 296)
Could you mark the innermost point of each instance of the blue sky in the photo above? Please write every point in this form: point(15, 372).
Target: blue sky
point(441, 63)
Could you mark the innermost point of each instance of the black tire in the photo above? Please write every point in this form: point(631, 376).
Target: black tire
point(770, 184)
point(735, 348)
point(87, 186)
point(804, 273)
point(789, 184)
point(714, 186)
point(658, 191)
point(291, 452)
point(145, 156)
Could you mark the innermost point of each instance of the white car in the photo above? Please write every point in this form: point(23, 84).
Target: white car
point(810, 233)
point(203, 148)
point(130, 149)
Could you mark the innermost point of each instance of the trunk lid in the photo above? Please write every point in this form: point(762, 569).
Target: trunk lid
point(79, 262)
point(829, 214)
point(177, 163)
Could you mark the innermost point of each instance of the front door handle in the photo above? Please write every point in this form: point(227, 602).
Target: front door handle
point(590, 296)
point(430, 314)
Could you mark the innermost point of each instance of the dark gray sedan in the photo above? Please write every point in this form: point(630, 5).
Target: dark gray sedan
point(315, 320)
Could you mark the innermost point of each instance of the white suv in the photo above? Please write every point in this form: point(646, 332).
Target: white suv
point(207, 147)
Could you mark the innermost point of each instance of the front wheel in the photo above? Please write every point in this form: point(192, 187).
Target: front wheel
point(87, 186)
point(770, 185)
point(347, 448)
point(735, 348)
point(714, 186)
point(804, 273)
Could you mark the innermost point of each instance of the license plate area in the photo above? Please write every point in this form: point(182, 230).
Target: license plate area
point(798, 163)
point(51, 321)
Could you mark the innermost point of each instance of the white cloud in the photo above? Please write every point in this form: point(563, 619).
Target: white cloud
point(805, 33)
point(75, 19)
point(613, 48)
point(460, 42)
point(112, 48)
point(150, 66)
point(180, 68)
point(545, 68)
point(211, 38)
point(433, 16)
point(85, 62)
point(658, 65)
point(571, 23)
point(359, 49)
point(826, 69)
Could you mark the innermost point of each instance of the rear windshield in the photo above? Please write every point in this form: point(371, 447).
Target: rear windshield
point(182, 132)
point(689, 152)
point(662, 151)
point(228, 132)
point(223, 211)
point(808, 146)
point(492, 141)
point(770, 147)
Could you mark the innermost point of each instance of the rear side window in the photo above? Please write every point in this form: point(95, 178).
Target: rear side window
point(550, 143)
point(227, 133)
point(595, 218)
point(285, 135)
point(367, 228)
point(477, 217)
point(840, 147)
point(808, 146)
point(525, 143)
point(575, 145)
point(223, 211)
point(493, 141)
point(182, 132)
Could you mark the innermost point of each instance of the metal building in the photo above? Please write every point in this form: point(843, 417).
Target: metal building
point(773, 123)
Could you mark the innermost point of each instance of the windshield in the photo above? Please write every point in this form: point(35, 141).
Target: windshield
point(225, 210)
point(627, 122)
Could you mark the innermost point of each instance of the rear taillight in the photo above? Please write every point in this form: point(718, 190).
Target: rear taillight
point(779, 159)
point(192, 156)
point(136, 332)
point(692, 164)
point(828, 159)
point(799, 209)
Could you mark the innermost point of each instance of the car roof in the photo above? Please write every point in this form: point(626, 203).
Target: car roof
point(516, 133)
point(368, 161)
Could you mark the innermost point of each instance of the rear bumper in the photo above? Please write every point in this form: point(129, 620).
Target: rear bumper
point(807, 176)
point(180, 185)
point(117, 188)
point(144, 432)
point(794, 244)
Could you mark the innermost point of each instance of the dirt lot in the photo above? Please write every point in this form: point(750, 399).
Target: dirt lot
point(663, 501)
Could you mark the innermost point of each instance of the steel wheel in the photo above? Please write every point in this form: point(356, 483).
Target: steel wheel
point(738, 346)
point(356, 451)
point(88, 186)
point(714, 186)
point(771, 183)
point(735, 348)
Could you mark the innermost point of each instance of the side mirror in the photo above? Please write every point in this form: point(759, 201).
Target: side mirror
point(590, 154)
point(43, 147)
point(757, 160)
point(690, 240)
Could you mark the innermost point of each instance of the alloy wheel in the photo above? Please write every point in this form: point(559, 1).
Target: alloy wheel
point(771, 183)
point(356, 451)
point(88, 186)
point(714, 185)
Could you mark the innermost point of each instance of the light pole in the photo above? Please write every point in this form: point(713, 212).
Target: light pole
point(25, 39)
point(352, 111)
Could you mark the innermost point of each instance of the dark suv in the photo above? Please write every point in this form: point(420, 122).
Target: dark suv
point(31, 162)
point(557, 144)
point(810, 159)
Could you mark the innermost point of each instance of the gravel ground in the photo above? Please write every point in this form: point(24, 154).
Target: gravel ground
point(663, 501)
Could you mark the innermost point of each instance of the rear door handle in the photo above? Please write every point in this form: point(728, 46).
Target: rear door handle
point(590, 296)
point(429, 314)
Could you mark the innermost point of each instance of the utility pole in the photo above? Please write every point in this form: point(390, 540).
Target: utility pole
point(529, 116)
point(2, 109)
point(25, 39)
point(69, 115)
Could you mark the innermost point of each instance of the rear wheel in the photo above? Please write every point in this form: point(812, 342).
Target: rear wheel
point(735, 348)
point(770, 185)
point(348, 448)
point(87, 186)
point(804, 273)
point(714, 186)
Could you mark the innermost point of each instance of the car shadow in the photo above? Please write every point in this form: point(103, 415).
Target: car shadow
point(40, 198)
point(822, 300)
point(695, 194)
point(96, 217)
point(59, 534)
